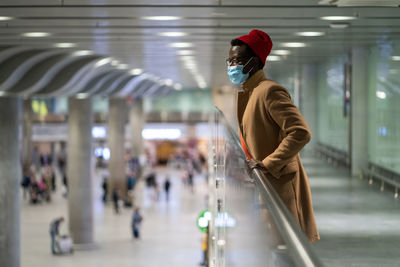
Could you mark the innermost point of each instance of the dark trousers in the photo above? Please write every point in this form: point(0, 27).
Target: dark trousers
point(53, 242)
point(135, 232)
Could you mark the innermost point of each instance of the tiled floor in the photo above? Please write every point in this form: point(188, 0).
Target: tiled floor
point(169, 232)
point(359, 225)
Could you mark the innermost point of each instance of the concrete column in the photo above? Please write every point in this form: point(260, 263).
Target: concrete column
point(27, 147)
point(136, 121)
point(80, 186)
point(359, 111)
point(308, 101)
point(10, 177)
point(116, 140)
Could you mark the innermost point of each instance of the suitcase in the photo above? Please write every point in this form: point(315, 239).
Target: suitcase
point(64, 244)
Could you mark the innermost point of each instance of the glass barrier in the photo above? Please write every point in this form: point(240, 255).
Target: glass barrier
point(249, 225)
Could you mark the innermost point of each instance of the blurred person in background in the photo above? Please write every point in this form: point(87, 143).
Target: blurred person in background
point(54, 232)
point(167, 185)
point(137, 219)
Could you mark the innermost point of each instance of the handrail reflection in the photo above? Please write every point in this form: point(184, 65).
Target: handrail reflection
point(299, 247)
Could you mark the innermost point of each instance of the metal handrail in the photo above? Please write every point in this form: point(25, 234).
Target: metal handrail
point(291, 233)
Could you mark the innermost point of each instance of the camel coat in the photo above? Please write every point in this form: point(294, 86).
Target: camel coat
point(274, 132)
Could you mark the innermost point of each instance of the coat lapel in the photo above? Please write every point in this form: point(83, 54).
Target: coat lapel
point(242, 99)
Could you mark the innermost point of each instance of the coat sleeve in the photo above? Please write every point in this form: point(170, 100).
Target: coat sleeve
point(296, 131)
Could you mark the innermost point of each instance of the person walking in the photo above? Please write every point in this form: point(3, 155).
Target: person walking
point(137, 219)
point(271, 127)
point(54, 232)
point(115, 198)
point(167, 185)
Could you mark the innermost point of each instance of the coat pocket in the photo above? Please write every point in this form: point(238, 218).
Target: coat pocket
point(289, 168)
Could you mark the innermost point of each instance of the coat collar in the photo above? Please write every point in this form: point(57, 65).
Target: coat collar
point(254, 80)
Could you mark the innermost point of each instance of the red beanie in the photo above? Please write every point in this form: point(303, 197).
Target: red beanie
point(259, 42)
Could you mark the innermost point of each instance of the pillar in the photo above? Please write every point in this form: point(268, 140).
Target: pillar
point(116, 141)
point(10, 177)
point(27, 147)
point(308, 101)
point(136, 121)
point(359, 112)
point(80, 186)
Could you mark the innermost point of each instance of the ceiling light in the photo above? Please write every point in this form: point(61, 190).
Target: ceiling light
point(280, 52)
point(396, 58)
point(35, 34)
point(178, 86)
point(65, 45)
point(310, 34)
point(83, 53)
point(181, 45)
point(169, 82)
point(122, 66)
point(185, 52)
point(339, 25)
point(338, 18)
point(102, 62)
point(114, 63)
point(172, 34)
point(202, 84)
point(187, 58)
point(161, 18)
point(82, 95)
point(381, 94)
point(293, 44)
point(273, 58)
point(136, 71)
point(5, 18)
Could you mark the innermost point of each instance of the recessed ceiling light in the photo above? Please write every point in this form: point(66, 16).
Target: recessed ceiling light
point(35, 34)
point(5, 18)
point(339, 25)
point(293, 44)
point(103, 62)
point(82, 95)
point(185, 52)
point(396, 58)
point(83, 53)
point(218, 14)
point(136, 71)
point(169, 82)
point(172, 34)
point(178, 86)
point(338, 18)
point(122, 66)
point(310, 34)
point(181, 45)
point(273, 58)
point(161, 18)
point(280, 52)
point(65, 45)
point(381, 94)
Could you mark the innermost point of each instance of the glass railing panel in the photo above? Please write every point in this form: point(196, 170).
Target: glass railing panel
point(247, 227)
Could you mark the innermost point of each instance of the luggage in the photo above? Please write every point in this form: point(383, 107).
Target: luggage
point(64, 244)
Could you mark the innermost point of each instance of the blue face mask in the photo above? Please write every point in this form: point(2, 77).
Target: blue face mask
point(236, 74)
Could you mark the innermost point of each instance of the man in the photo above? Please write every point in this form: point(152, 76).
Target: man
point(272, 130)
point(136, 222)
point(54, 231)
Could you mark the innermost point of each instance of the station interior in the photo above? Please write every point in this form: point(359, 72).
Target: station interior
point(120, 118)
